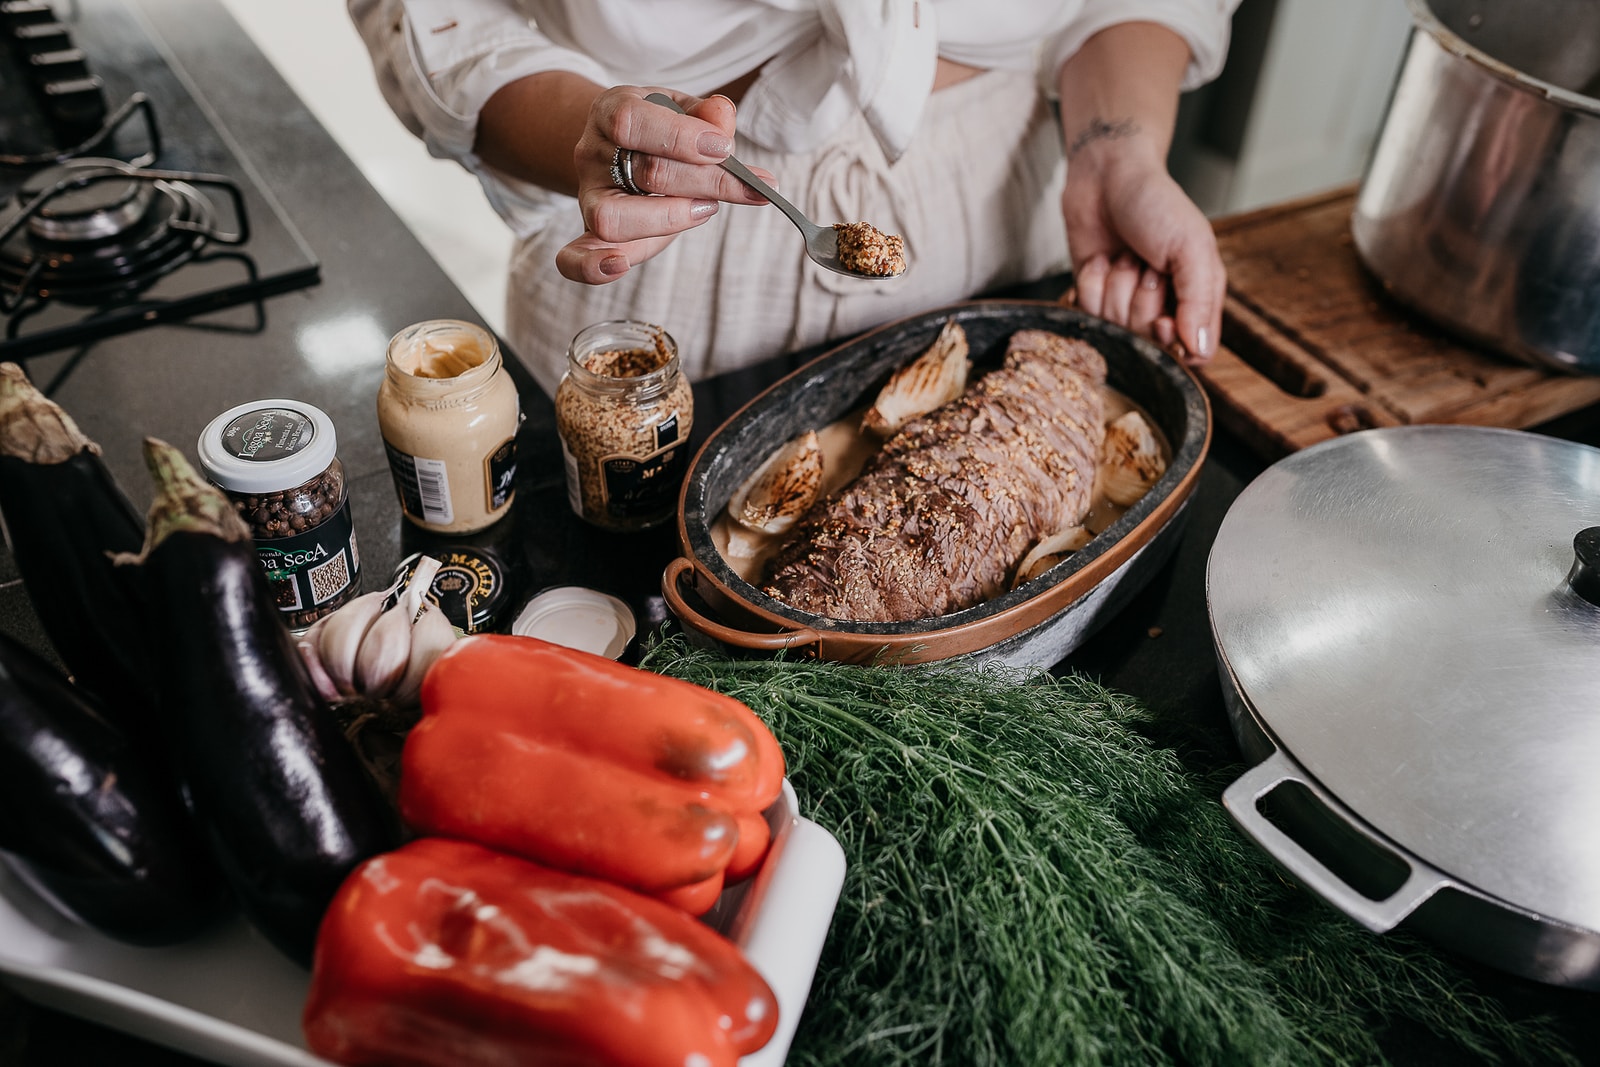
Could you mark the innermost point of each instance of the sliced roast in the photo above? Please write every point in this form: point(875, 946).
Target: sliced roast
point(938, 519)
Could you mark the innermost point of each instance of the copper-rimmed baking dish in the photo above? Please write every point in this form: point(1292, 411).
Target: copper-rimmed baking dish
point(1037, 623)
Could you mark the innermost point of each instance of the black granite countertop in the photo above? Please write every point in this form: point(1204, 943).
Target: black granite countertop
point(324, 345)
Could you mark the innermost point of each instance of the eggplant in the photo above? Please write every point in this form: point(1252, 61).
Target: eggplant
point(87, 819)
point(283, 800)
point(65, 518)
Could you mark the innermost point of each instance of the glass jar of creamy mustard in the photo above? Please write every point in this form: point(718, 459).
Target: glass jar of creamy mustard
point(448, 412)
point(624, 411)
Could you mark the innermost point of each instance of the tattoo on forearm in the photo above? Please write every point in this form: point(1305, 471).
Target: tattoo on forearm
point(1101, 130)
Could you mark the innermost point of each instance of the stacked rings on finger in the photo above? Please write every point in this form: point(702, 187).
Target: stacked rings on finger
point(622, 171)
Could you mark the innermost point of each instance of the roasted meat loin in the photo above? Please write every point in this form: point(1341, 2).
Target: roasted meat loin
point(939, 518)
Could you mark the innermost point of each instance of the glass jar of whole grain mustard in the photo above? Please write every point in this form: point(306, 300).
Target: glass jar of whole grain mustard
point(624, 411)
point(448, 412)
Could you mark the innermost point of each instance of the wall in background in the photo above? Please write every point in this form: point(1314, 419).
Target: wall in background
point(316, 48)
point(1297, 106)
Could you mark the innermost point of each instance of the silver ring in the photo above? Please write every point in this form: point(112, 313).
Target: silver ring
point(622, 172)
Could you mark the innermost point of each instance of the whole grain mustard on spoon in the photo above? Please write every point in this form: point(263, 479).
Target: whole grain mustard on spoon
point(856, 249)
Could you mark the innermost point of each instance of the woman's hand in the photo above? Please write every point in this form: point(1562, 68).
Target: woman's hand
point(674, 158)
point(563, 132)
point(1137, 239)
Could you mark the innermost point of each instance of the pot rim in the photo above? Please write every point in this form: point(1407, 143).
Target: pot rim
point(1424, 19)
point(1018, 609)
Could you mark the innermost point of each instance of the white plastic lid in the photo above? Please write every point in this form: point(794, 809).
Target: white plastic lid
point(580, 618)
point(267, 445)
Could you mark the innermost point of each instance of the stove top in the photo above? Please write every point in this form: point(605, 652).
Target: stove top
point(123, 203)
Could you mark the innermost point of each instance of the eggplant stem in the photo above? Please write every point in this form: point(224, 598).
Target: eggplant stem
point(33, 428)
point(184, 501)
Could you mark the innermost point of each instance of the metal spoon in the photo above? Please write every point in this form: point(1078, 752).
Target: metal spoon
point(822, 242)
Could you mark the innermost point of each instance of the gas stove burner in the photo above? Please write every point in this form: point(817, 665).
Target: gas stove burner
point(90, 230)
point(106, 208)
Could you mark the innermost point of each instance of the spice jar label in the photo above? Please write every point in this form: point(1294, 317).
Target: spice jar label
point(667, 431)
point(500, 470)
point(312, 568)
point(267, 434)
point(423, 486)
point(637, 487)
point(574, 478)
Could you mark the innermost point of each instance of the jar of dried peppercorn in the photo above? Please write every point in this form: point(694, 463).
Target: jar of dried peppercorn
point(277, 460)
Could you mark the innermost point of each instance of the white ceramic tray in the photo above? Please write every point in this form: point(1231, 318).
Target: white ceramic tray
point(230, 998)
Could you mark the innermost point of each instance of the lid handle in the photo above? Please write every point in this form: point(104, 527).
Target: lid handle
point(1242, 799)
point(1585, 574)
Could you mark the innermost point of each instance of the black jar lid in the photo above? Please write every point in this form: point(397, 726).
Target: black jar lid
point(470, 587)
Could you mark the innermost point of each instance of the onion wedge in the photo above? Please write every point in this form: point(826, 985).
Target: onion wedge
point(782, 488)
point(931, 380)
point(1130, 459)
point(1050, 551)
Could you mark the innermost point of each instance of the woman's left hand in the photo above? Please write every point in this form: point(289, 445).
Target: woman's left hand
point(1136, 239)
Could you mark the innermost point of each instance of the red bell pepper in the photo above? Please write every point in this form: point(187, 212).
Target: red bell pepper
point(584, 764)
point(447, 954)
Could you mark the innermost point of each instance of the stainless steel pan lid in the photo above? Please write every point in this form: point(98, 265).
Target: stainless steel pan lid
point(1394, 609)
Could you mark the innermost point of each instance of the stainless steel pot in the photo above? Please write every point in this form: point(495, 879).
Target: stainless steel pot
point(1407, 624)
point(1481, 205)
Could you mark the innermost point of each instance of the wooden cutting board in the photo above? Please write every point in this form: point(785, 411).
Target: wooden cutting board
point(1313, 346)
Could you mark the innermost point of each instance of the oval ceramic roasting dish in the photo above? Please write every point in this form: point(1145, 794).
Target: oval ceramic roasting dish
point(1035, 624)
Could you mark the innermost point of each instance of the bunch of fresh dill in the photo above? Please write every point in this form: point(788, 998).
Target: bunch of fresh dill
point(1033, 881)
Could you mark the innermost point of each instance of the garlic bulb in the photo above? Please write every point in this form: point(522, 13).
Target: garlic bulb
point(934, 379)
point(384, 654)
point(307, 645)
point(1050, 551)
point(782, 488)
point(1130, 459)
point(334, 640)
point(431, 635)
point(379, 645)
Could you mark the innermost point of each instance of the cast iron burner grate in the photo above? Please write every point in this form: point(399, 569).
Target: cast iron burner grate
point(92, 230)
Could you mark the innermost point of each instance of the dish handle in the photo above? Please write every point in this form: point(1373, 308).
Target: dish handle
point(1242, 799)
point(804, 640)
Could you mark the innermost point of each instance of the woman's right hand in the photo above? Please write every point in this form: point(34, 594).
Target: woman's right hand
point(675, 158)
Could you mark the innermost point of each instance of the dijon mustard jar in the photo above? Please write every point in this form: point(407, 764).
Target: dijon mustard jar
point(624, 411)
point(448, 412)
